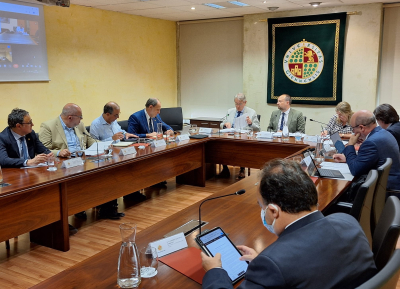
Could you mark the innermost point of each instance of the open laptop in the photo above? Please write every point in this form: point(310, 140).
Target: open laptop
point(322, 172)
point(337, 142)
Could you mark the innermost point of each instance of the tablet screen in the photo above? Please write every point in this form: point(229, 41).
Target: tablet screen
point(216, 241)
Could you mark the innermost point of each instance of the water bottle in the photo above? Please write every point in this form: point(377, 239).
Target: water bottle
point(128, 261)
point(285, 133)
point(319, 157)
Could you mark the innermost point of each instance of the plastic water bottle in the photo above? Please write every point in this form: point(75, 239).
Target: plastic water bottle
point(285, 133)
point(128, 261)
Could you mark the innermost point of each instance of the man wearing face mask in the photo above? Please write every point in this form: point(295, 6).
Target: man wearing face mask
point(312, 251)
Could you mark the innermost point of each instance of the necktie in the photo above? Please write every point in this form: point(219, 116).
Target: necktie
point(24, 150)
point(283, 121)
point(150, 125)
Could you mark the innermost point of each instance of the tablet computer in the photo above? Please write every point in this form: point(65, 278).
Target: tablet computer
point(216, 241)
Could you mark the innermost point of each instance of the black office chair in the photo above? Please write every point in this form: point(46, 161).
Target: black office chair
point(88, 128)
point(123, 124)
point(360, 209)
point(386, 232)
point(380, 193)
point(386, 278)
point(173, 117)
point(305, 119)
point(7, 244)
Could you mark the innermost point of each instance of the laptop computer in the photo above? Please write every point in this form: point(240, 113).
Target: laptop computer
point(322, 172)
point(337, 142)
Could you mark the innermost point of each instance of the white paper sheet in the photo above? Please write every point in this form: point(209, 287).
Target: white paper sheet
point(93, 149)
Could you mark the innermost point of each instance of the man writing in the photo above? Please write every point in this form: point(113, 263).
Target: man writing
point(19, 145)
point(377, 145)
point(312, 251)
point(143, 123)
point(286, 116)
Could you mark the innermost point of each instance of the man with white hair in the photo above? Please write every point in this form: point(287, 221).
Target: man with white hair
point(251, 119)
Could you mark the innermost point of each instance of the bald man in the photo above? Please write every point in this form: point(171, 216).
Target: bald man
point(64, 134)
point(377, 144)
point(106, 127)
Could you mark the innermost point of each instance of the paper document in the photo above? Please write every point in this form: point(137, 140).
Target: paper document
point(122, 144)
point(227, 130)
point(99, 147)
point(37, 166)
point(241, 120)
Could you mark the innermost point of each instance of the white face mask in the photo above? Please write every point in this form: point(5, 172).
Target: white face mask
point(269, 227)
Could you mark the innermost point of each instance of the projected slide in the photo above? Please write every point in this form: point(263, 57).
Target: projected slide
point(23, 53)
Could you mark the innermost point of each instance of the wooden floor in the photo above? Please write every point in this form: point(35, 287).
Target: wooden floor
point(27, 264)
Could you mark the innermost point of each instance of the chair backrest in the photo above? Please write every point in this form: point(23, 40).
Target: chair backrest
point(380, 193)
point(88, 128)
point(305, 119)
point(259, 117)
point(123, 124)
point(386, 232)
point(173, 117)
point(386, 278)
point(361, 209)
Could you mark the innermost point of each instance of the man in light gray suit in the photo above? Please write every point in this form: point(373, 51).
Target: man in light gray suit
point(231, 115)
point(285, 115)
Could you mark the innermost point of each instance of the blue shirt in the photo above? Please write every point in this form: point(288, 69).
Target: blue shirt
point(102, 130)
point(72, 139)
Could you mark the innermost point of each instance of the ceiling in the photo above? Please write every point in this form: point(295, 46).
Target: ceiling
point(180, 10)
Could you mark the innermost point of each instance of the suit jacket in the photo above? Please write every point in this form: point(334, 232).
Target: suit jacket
point(394, 129)
point(9, 148)
point(52, 135)
point(231, 114)
point(138, 125)
point(372, 153)
point(295, 123)
point(313, 253)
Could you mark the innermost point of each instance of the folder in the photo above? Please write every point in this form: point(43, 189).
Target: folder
point(187, 262)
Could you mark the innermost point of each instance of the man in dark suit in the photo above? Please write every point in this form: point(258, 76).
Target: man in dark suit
point(143, 123)
point(388, 119)
point(19, 145)
point(377, 144)
point(312, 251)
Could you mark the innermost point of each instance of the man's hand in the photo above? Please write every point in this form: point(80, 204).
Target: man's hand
point(118, 135)
point(248, 253)
point(169, 132)
point(324, 133)
point(211, 262)
point(248, 120)
point(42, 158)
point(153, 134)
point(129, 135)
point(228, 125)
point(64, 153)
point(339, 158)
point(354, 139)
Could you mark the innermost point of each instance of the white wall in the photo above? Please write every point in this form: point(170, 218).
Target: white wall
point(361, 58)
point(211, 67)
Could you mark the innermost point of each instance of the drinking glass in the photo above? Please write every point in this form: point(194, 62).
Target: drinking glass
point(193, 128)
point(297, 136)
point(1, 177)
point(148, 262)
point(250, 133)
point(50, 164)
point(159, 131)
point(237, 131)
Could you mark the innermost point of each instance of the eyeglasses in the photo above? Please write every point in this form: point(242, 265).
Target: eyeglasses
point(31, 122)
point(81, 117)
point(353, 127)
point(238, 104)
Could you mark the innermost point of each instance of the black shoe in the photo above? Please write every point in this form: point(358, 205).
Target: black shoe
point(72, 230)
point(112, 215)
point(135, 197)
point(160, 184)
point(241, 175)
point(224, 174)
point(81, 215)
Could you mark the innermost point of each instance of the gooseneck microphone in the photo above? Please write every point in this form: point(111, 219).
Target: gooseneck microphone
point(318, 121)
point(240, 192)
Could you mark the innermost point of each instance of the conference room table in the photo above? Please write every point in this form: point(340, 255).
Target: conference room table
point(238, 216)
point(39, 201)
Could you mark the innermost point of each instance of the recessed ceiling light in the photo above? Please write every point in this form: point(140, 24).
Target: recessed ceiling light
point(193, 8)
point(264, 2)
point(315, 4)
point(214, 5)
point(272, 8)
point(239, 3)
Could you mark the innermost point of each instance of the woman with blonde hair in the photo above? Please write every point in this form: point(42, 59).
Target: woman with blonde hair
point(340, 122)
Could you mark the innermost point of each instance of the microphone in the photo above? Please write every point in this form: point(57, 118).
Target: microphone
point(318, 121)
point(240, 192)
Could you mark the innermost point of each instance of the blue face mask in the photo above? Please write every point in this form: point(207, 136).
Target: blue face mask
point(269, 227)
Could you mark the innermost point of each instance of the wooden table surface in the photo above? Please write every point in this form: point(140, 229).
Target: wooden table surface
point(40, 202)
point(239, 216)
